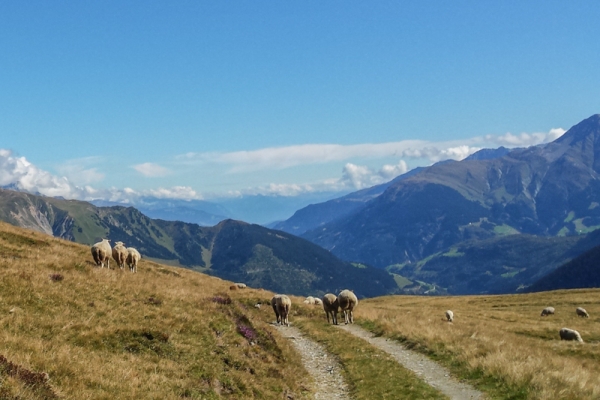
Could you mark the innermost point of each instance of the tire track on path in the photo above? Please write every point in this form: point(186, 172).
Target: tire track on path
point(322, 366)
point(430, 371)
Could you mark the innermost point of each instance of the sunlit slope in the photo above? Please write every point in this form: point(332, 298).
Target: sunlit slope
point(500, 343)
point(163, 333)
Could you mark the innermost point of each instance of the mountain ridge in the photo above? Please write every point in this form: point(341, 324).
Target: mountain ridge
point(546, 190)
point(233, 250)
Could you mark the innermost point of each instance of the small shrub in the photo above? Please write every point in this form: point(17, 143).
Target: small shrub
point(56, 277)
point(154, 301)
point(221, 299)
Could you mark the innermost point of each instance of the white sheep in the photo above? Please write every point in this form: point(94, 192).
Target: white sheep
point(449, 316)
point(241, 285)
point(101, 253)
point(570, 334)
point(119, 253)
point(281, 305)
point(347, 301)
point(133, 257)
point(318, 301)
point(309, 300)
point(582, 313)
point(331, 305)
point(547, 311)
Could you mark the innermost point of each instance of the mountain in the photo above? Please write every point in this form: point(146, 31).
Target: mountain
point(505, 264)
point(231, 250)
point(581, 272)
point(315, 215)
point(546, 190)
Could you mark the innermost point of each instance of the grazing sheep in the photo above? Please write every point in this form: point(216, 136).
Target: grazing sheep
point(331, 305)
point(101, 253)
point(582, 313)
point(347, 301)
point(133, 257)
point(281, 305)
point(570, 334)
point(449, 316)
point(241, 285)
point(119, 253)
point(309, 300)
point(318, 301)
point(547, 311)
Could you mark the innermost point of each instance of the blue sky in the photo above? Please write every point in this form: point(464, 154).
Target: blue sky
point(198, 99)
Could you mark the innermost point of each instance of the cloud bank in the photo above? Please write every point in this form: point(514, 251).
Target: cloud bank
point(291, 156)
point(79, 174)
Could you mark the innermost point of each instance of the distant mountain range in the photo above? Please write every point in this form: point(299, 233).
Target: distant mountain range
point(232, 250)
point(448, 224)
point(547, 190)
point(259, 209)
point(499, 221)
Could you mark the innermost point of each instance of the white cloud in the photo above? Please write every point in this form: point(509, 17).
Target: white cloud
point(360, 177)
point(175, 192)
point(78, 175)
point(525, 139)
point(391, 171)
point(290, 156)
point(78, 171)
point(21, 173)
point(353, 177)
point(151, 170)
point(271, 158)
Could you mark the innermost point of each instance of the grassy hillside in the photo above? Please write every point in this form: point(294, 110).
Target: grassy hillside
point(163, 333)
point(500, 343)
point(172, 333)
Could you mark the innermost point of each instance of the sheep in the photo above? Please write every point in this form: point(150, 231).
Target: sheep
point(582, 313)
point(449, 316)
point(101, 252)
point(347, 301)
point(309, 300)
point(119, 253)
point(570, 334)
point(241, 285)
point(281, 305)
point(331, 305)
point(133, 256)
point(318, 301)
point(547, 311)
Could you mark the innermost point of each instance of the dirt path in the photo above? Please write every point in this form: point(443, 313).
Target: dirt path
point(431, 372)
point(322, 366)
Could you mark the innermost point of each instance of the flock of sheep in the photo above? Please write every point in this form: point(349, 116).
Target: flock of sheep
point(345, 302)
point(101, 252)
point(567, 333)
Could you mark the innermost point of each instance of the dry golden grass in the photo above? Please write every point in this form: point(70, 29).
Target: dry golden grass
point(500, 342)
point(167, 333)
point(163, 333)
